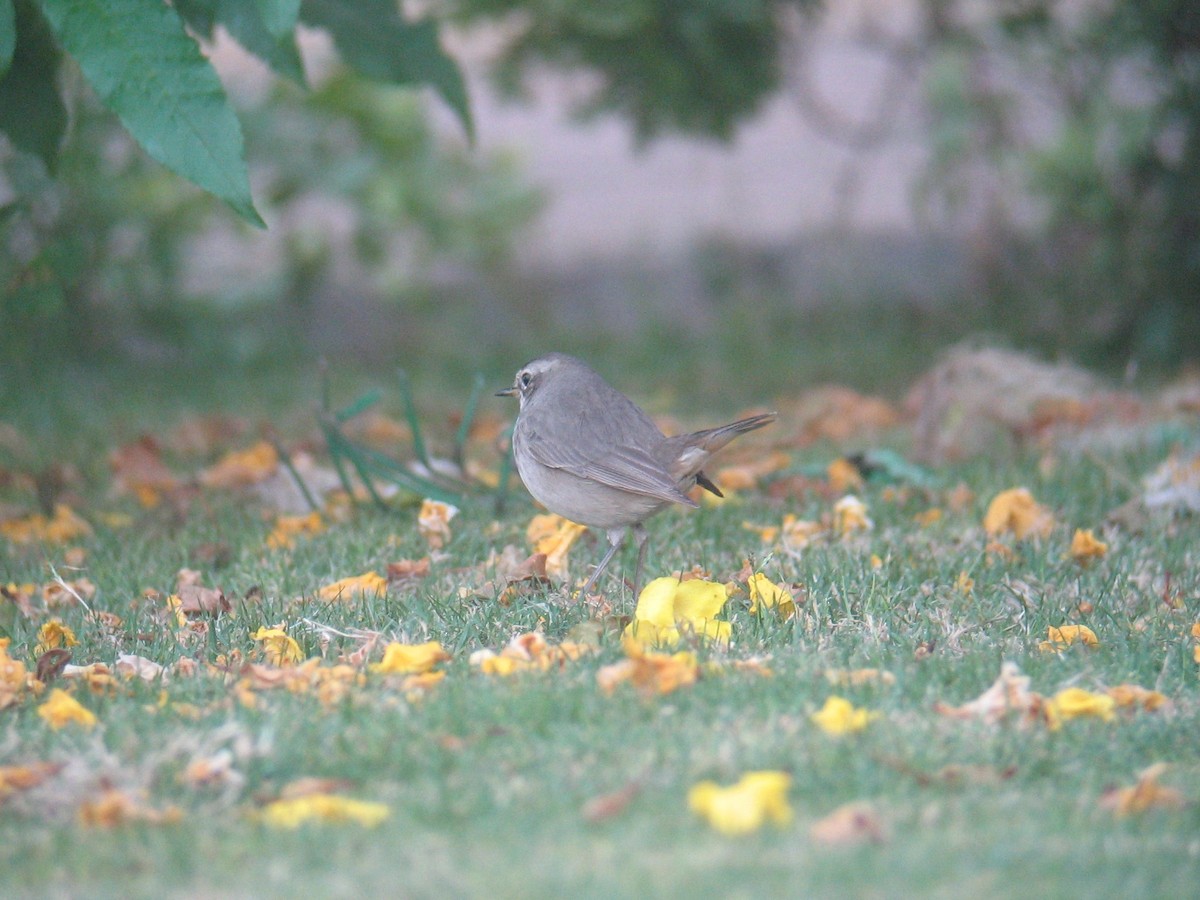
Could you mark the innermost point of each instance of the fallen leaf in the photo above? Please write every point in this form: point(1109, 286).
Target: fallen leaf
point(1008, 696)
point(408, 570)
point(61, 709)
point(23, 778)
point(1144, 795)
point(649, 672)
point(409, 659)
point(139, 471)
point(1015, 512)
point(1085, 547)
point(848, 826)
point(242, 468)
point(433, 522)
point(114, 807)
point(61, 528)
point(840, 717)
point(289, 528)
point(1127, 695)
point(608, 806)
point(669, 608)
point(843, 475)
point(858, 677)
point(278, 648)
point(764, 591)
point(744, 807)
point(366, 584)
point(1058, 639)
point(850, 516)
point(553, 535)
point(51, 664)
point(1076, 703)
point(293, 813)
point(195, 600)
point(130, 666)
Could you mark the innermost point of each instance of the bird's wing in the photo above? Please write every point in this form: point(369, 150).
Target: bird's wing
point(617, 464)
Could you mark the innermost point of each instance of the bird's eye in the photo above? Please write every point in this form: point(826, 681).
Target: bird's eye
point(525, 379)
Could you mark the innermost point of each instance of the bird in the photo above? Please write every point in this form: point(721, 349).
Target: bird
point(590, 454)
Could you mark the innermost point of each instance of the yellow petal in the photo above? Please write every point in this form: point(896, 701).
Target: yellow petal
point(294, 812)
point(744, 807)
point(433, 522)
point(240, 468)
point(843, 475)
point(1016, 512)
point(1058, 639)
point(410, 659)
point(656, 603)
point(850, 516)
point(368, 584)
point(1074, 703)
point(772, 596)
point(54, 634)
point(279, 648)
point(288, 528)
point(697, 601)
point(839, 716)
point(62, 709)
point(1146, 794)
point(1085, 546)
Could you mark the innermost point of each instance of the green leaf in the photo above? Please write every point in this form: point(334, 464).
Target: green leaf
point(145, 68)
point(379, 43)
point(262, 27)
point(31, 111)
point(247, 25)
point(8, 34)
point(279, 16)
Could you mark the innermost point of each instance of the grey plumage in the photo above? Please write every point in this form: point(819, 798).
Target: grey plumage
point(590, 454)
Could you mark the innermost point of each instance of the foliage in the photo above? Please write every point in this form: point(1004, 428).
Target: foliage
point(145, 66)
point(112, 237)
point(700, 68)
point(1092, 115)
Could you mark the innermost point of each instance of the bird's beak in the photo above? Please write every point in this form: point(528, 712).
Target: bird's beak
point(507, 392)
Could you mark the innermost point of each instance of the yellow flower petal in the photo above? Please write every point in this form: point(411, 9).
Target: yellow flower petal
point(1146, 794)
point(294, 812)
point(553, 535)
point(1058, 639)
point(433, 522)
point(697, 600)
point(668, 608)
point(410, 659)
point(278, 647)
point(772, 596)
point(839, 716)
point(1074, 703)
point(1016, 512)
point(240, 468)
point(288, 528)
point(744, 807)
point(1085, 546)
point(61, 709)
point(54, 634)
point(850, 516)
point(367, 584)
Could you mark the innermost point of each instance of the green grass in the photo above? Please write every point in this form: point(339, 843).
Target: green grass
point(486, 777)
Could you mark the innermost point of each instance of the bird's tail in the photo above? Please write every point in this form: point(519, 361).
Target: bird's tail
point(685, 454)
point(714, 439)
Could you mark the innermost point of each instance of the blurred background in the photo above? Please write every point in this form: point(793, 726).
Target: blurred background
point(718, 203)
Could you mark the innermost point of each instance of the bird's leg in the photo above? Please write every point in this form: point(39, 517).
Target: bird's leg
point(616, 537)
point(639, 535)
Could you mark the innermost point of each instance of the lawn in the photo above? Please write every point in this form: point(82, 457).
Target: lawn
point(568, 770)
